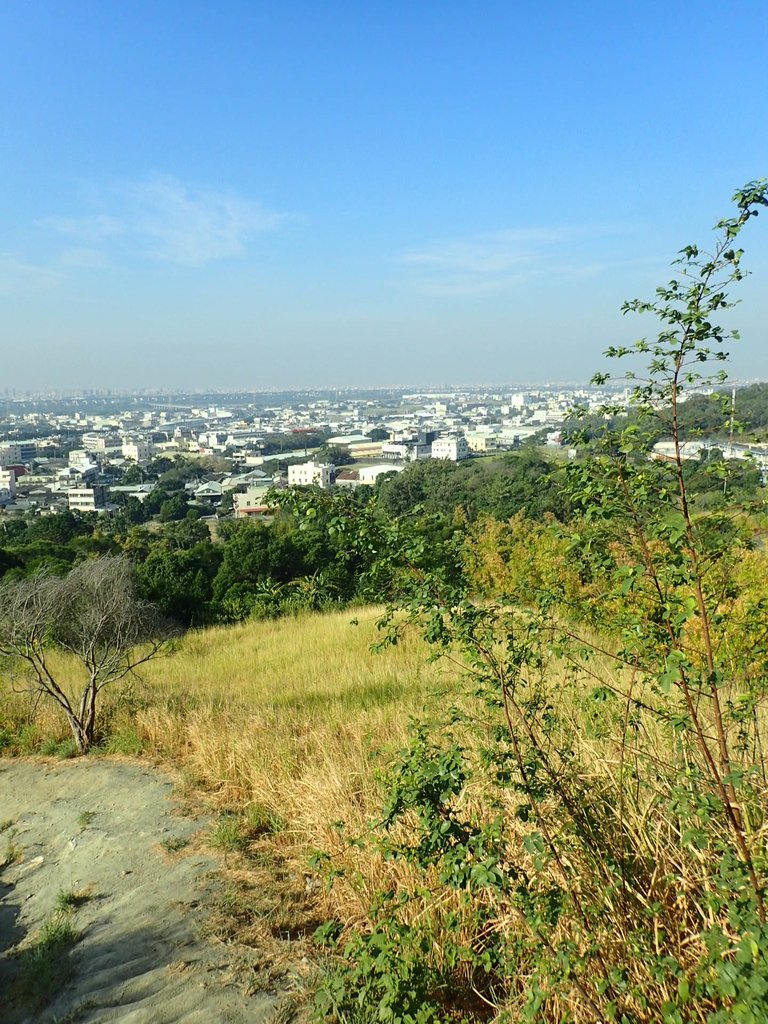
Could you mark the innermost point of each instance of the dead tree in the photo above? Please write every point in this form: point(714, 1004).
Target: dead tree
point(95, 614)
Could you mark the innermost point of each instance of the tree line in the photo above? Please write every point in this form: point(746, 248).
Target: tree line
point(199, 571)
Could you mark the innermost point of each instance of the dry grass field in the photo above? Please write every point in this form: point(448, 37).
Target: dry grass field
point(281, 721)
point(289, 714)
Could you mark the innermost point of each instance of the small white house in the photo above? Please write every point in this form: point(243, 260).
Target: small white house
point(369, 474)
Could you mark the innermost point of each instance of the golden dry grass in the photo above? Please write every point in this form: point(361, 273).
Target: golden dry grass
point(293, 716)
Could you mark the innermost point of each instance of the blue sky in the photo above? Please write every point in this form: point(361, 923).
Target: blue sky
point(251, 194)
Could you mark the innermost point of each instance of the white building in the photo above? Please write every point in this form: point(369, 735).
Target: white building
point(308, 474)
point(369, 474)
point(7, 486)
point(454, 448)
point(138, 491)
point(518, 400)
point(80, 462)
point(137, 449)
point(78, 456)
point(75, 476)
point(86, 499)
point(405, 451)
point(99, 442)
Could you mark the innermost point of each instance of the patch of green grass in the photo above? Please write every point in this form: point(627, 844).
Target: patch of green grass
point(85, 818)
point(5, 825)
point(28, 739)
point(45, 965)
point(72, 900)
point(263, 821)
point(229, 833)
point(126, 742)
point(174, 844)
point(59, 748)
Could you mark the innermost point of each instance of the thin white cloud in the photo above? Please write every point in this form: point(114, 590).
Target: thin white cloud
point(487, 253)
point(191, 226)
point(89, 230)
point(166, 220)
point(83, 257)
point(497, 260)
point(17, 276)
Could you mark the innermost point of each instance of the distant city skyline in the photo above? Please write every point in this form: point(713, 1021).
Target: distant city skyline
point(318, 196)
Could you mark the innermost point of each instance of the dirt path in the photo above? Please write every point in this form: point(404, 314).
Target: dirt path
point(109, 835)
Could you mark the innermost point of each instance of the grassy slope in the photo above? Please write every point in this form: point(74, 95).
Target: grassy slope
point(280, 722)
point(276, 712)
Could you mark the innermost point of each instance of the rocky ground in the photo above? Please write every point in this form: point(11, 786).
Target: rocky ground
point(102, 846)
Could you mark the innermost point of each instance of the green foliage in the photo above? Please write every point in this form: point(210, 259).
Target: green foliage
point(334, 454)
point(263, 820)
point(46, 965)
point(500, 487)
point(64, 749)
point(58, 529)
point(124, 741)
point(236, 831)
point(174, 508)
point(586, 830)
point(180, 581)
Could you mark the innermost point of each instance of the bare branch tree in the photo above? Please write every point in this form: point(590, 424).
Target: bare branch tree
point(94, 613)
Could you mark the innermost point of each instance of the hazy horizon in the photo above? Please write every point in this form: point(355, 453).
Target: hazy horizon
point(349, 195)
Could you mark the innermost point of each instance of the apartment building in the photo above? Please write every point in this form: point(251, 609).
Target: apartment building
point(7, 486)
point(96, 441)
point(309, 474)
point(137, 450)
point(87, 499)
point(12, 452)
point(453, 448)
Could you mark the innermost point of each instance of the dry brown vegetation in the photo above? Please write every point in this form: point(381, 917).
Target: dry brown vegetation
point(286, 718)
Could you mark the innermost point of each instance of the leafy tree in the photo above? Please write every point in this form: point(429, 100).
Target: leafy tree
point(160, 464)
point(253, 552)
point(133, 475)
point(133, 512)
point(501, 487)
point(182, 472)
point(58, 529)
point(336, 455)
point(179, 581)
point(154, 501)
point(8, 560)
point(35, 553)
point(428, 483)
point(12, 530)
point(174, 508)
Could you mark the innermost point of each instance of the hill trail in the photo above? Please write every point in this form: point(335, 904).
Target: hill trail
point(108, 829)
